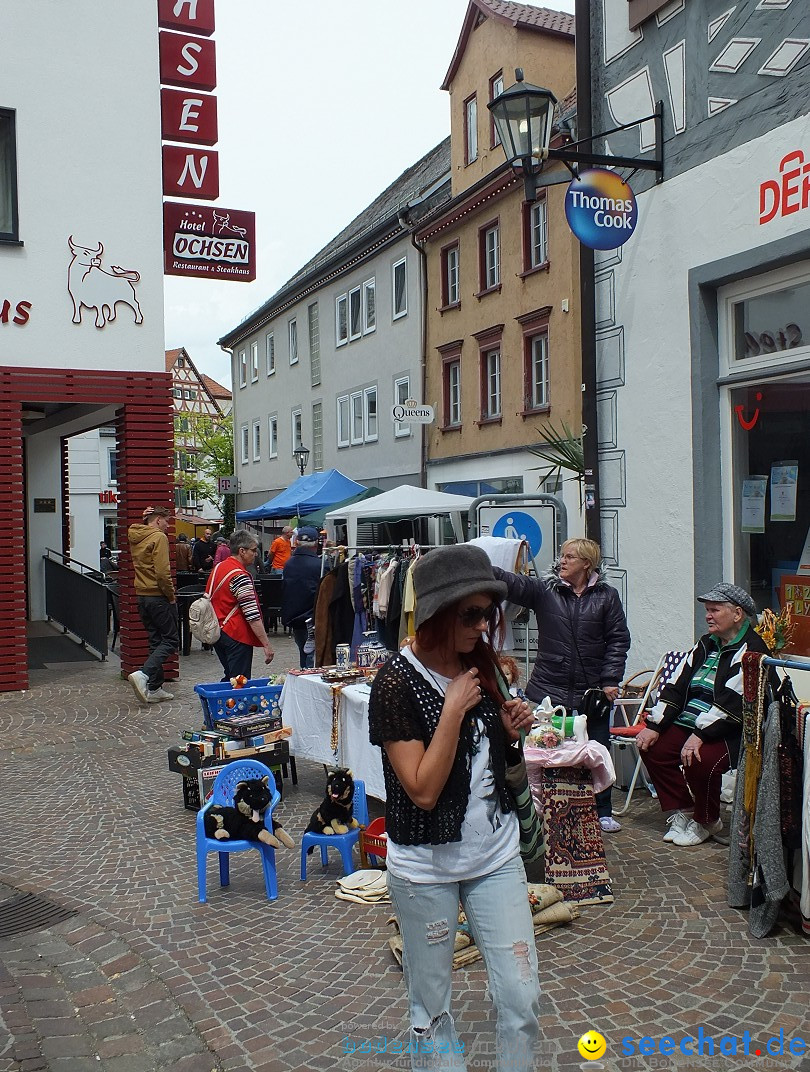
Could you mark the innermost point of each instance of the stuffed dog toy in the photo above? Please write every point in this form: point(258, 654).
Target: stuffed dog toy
point(334, 814)
point(245, 820)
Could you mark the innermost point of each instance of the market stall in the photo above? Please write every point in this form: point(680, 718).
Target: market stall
point(330, 725)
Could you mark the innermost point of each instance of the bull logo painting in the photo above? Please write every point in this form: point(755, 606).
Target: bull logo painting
point(94, 287)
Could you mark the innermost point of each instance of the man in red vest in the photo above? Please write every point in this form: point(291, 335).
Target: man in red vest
point(233, 597)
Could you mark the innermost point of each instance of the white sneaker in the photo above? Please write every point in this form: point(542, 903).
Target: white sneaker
point(140, 682)
point(677, 823)
point(156, 695)
point(695, 834)
point(609, 824)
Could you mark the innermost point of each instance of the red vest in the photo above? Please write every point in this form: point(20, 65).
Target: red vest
point(224, 603)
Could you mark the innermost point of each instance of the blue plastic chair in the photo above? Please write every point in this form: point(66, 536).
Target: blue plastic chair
point(344, 843)
point(222, 793)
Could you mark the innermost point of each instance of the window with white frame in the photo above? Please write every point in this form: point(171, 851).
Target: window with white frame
point(452, 393)
point(341, 320)
point(402, 392)
point(257, 441)
point(357, 417)
point(495, 90)
point(9, 230)
point(343, 430)
point(450, 288)
point(399, 280)
point(537, 233)
point(292, 331)
point(317, 436)
point(244, 435)
point(272, 436)
point(470, 129)
point(270, 350)
point(355, 314)
point(491, 395)
point(243, 368)
point(254, 361)
point(112, 465)
point(314, 345)
point(369, 307)
point(491, 242)
point(370, 414)
point(537, 371)
point(297, 429)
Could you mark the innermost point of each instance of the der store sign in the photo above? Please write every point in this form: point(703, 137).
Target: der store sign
point(209, 241)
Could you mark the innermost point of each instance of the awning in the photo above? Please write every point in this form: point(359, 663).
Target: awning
point(315, 491)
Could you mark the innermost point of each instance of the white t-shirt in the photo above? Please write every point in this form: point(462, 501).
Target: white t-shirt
point(489, 836)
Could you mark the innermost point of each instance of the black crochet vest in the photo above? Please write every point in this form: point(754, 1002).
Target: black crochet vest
point(406, 707)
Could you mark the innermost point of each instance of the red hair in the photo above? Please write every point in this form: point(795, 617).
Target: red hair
point(439, 630)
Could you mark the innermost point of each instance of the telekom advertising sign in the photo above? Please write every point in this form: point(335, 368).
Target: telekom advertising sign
point(197, 240)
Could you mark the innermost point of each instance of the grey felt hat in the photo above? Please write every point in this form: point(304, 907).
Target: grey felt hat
point(448, 574)
point(723, 592)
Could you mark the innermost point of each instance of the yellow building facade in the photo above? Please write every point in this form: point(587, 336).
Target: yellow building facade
point(502, 331)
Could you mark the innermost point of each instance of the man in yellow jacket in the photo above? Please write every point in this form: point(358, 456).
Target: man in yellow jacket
point(157, 606)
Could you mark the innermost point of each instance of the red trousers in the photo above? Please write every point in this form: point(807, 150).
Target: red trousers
point(698, 785)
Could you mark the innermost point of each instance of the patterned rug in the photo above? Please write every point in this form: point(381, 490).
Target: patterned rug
point(575, 859)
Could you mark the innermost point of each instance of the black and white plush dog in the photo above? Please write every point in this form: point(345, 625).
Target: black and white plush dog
point(245, 820)
point(334, 814)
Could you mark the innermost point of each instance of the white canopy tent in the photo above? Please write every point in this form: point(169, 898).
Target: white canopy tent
point(400, 504)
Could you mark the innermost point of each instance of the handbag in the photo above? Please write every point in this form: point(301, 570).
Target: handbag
point(532, 840)
point(202, 620)
point(595, 705)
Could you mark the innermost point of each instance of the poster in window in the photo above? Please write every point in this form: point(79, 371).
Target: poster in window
point(784, 481)
point(753, 503)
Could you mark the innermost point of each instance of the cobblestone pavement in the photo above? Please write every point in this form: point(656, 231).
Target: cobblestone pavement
point(143, 978)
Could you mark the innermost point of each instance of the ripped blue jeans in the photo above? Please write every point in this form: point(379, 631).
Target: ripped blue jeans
point(497, 909)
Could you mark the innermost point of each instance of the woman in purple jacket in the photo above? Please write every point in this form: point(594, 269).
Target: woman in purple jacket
point(583, 638)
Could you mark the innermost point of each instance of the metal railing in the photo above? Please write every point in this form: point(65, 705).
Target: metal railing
point(77, 597)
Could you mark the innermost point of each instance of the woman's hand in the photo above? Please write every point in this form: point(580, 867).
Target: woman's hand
point(611, 691)
point(691, 750)
point(646, 739)
point(463, 692)
point(516, 715)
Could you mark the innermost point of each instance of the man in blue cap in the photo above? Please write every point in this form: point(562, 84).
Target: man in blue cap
point(299, 587)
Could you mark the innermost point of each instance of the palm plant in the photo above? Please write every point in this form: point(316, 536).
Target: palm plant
point(562, 450)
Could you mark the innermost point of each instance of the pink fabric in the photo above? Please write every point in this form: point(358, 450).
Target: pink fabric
point(592, 755)
point(222, 552)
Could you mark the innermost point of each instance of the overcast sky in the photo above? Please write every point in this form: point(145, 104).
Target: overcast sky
point(322, 104)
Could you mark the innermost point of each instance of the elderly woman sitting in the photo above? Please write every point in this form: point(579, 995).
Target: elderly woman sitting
point(692, 736)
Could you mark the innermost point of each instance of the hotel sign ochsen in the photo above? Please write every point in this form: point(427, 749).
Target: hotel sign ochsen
point(198, 240)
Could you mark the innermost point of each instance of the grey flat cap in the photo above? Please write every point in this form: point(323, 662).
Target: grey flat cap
point(723, 592)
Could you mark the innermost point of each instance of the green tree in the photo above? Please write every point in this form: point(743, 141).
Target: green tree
point(204, 447)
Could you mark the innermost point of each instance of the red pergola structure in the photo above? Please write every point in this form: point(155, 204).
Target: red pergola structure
point(145, 439)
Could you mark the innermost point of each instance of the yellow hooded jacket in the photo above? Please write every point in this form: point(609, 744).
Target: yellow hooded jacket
point(150, 557)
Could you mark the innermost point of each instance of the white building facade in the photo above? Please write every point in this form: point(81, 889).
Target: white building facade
point(703, 331)
point(322, 363)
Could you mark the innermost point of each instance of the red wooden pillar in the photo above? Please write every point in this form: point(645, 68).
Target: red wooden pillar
point(13, 639)
point(145, 478)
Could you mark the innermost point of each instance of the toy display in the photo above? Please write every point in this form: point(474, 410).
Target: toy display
point(245, 820)
point(334, 814)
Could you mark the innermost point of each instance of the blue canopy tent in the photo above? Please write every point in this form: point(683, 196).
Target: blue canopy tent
point(305, 495)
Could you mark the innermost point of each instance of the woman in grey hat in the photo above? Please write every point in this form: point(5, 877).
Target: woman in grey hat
point(692, 736)
point(447, 736)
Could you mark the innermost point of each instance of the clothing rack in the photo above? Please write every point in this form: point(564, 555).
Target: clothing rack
point(791, 662)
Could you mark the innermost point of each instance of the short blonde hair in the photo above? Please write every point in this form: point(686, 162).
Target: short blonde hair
point(588, 550)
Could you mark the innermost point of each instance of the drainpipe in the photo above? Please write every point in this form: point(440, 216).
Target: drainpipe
point(420, 249)
point(587, 287)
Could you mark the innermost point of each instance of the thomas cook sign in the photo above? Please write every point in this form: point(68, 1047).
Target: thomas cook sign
point(601, 209)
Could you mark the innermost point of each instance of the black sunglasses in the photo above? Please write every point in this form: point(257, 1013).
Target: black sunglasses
point(473, 616)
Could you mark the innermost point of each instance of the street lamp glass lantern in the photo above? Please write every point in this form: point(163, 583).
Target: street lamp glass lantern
point(301, 455)
point(524, 116)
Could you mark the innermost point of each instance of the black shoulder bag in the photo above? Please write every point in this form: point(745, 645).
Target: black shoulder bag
point(532, 840)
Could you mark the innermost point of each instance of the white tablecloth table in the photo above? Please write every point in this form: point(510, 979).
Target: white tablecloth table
point(306, 704)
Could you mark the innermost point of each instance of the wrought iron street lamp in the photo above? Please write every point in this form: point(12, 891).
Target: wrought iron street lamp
point(301, 455)
point(524, 118)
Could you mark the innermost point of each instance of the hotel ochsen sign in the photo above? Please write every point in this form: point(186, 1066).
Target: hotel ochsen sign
point(198, 240)
point(209, 242)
